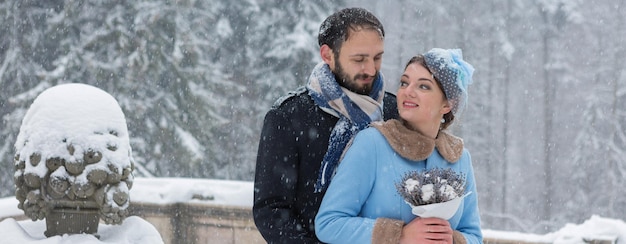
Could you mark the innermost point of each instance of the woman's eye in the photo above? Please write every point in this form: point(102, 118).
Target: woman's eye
point(403, 83)
point(424, 87)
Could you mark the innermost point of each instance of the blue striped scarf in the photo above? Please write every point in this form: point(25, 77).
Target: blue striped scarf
point(355, 113)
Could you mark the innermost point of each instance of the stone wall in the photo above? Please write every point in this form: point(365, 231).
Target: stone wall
point(200, 223)
point(204, 223)
point(190, 223)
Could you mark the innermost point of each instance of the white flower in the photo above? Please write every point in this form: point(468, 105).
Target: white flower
point(427, 192)
point(411, 185)
point(448, 192)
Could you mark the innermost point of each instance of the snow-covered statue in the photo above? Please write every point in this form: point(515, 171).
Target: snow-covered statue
point(73, 161)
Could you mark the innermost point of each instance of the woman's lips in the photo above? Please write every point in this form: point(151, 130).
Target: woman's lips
point(409, 104)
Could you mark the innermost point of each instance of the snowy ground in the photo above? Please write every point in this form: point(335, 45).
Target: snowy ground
point(133, 230)
point(239, 193)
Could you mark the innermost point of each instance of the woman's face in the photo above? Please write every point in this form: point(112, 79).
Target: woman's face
point(421, 103)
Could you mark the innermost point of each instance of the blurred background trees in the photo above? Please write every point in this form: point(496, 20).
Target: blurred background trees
point(546, 121)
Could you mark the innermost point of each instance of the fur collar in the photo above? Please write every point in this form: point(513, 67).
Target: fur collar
point(416, 147)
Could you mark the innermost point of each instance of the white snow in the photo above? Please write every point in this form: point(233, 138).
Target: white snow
point(596, 228)
point(74, 114)
point(174, 190)
point(132, 230)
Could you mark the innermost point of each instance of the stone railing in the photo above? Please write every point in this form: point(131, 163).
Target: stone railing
point(181, 223)
point(189, 223)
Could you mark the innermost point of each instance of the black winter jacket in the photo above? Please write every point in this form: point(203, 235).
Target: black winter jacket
point(293, 142)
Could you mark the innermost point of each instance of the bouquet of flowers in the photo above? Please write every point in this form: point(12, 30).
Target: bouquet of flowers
point(433, 193)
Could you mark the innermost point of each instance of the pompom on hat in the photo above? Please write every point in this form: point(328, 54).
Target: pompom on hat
point(453, 73)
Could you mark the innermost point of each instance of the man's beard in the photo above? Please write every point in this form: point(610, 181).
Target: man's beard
point(350, 83)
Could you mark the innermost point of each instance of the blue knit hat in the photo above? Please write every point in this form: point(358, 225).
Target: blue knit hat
point(453, 73)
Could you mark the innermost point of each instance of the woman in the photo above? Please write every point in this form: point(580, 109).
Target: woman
point(362, 205)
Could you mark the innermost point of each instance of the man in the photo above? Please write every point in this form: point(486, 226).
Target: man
point(305, 132)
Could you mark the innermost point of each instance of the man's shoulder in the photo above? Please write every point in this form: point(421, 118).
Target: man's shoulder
point(389, 95)
point(390, 107)
point(297, 97)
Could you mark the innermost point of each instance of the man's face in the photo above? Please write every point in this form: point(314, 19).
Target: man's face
point(359, 60)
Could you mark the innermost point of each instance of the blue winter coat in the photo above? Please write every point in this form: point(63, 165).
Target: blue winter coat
point(363, 190)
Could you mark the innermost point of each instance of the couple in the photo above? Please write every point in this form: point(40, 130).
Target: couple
point(304, 135)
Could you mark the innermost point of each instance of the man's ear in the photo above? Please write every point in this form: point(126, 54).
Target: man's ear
point(327, 55)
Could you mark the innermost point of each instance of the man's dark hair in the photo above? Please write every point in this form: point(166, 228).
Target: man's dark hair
point(335, 29)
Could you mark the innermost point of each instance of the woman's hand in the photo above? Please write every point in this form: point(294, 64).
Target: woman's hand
point(427, 230)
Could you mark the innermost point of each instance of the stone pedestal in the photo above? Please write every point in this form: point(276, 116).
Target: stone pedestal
point(72, 221)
